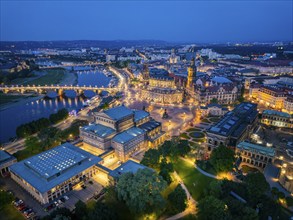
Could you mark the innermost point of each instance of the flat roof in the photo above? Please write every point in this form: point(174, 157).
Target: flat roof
point(150, 125)
point(128, 135)
point(274, 112)
point(231, 121)
point(257, 148)
point(48, 169)
point(99, 130)
point(140, 114)
point(5, 157)
point(128, 167)
point(118, 112)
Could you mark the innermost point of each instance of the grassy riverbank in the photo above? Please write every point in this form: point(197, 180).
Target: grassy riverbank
point(53, 76)
point(6, 98)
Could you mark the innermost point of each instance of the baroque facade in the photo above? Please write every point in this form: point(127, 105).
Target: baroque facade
point(123, 129)
point(160, 89)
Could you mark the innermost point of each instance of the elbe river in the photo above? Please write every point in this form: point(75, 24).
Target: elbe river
point(23, 112)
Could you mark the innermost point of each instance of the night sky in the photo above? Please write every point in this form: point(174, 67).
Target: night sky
point(192, 21)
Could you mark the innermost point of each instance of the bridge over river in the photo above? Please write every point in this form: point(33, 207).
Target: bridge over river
point(59, 89)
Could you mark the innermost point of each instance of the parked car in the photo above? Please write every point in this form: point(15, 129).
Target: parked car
point(66, 197)
point(59, 202)
point(21, 208)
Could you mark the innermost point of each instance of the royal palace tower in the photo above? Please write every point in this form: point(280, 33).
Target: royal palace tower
point(191, 74)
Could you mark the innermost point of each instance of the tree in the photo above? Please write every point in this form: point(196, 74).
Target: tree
point(256, 186)
point(211, 208)
point(164, 149)
point(101, 212)
point(178, 199)
point(165, 165)
point(239, 210)
point(151, 158)
point(80, 210)
point(215, 188)
point(183, 147)
point(274, 192)
point(32, 143)
point(59, 213)
point(166, 175)
point(222, 159)
point(141, 191)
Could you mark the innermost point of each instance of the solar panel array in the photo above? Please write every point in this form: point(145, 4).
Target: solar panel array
point(54, 161)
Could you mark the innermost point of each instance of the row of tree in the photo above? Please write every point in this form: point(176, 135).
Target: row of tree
point(47, 138)
point(32, 127)
point(218, 202)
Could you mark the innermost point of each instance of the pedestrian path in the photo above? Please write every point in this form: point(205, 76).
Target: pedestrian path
point(191, 203)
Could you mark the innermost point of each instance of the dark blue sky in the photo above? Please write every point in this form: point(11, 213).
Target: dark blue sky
point(195, 21)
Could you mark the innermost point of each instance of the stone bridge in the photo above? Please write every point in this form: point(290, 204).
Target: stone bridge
point(59, 89)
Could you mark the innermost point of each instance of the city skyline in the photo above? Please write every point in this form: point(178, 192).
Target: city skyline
point(188, 21)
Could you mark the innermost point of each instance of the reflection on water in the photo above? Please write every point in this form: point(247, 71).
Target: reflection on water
point(16, 115)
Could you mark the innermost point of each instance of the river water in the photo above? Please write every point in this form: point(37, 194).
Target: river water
point(17, 114)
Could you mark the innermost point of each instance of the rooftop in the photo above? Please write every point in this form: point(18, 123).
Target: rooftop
point(129, 167)
point(221, 79)
point(231, 121)
point(4, 157)
point(150, 125)
point(127, 135)
point(99, 130)
point(274, 112)
point(118, 112)
point(140, 114)
point(256, 148)
point(48, 169)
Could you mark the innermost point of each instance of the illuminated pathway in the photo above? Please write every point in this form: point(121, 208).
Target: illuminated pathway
point(191, 203)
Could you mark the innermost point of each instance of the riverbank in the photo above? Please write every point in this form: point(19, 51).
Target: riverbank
point(23, 99)
point(69, 78)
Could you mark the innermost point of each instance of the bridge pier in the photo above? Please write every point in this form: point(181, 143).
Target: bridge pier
point(79, 92)
point(60, 92)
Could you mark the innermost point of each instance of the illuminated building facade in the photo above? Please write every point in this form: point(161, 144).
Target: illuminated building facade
point(277, 119)
point(288, 104)
point(213, 110)
point(160, 89)
point(224, 94)
point(255, 155)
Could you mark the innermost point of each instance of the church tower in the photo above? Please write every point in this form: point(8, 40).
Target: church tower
point(145, 72)
point(191, 73)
